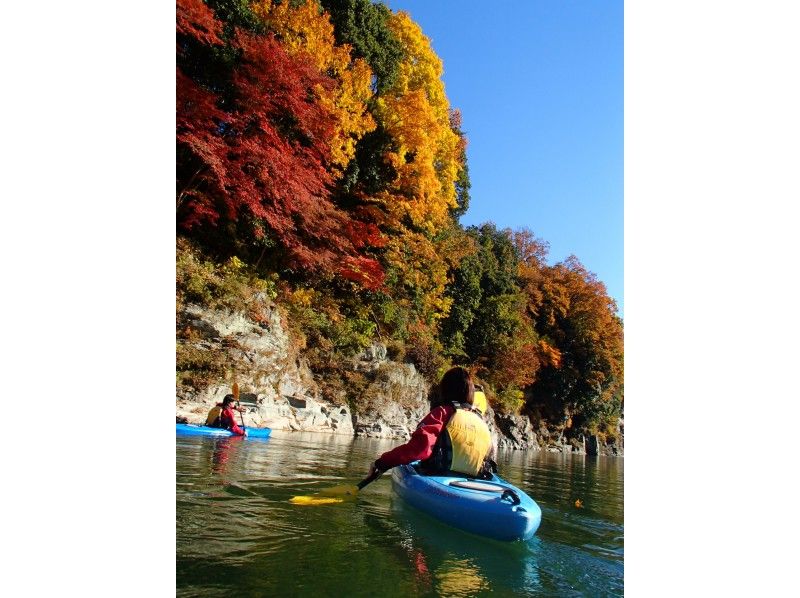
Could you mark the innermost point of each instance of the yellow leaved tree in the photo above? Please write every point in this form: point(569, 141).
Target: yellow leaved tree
point(426, 152)
point(305, 29)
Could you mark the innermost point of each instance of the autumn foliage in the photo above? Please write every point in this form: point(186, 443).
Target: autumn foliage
point(260, 153)
point(576, 312)
point(306, 32)
point(316, 144)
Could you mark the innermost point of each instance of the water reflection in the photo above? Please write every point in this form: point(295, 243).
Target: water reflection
point(222, 453)
point(450, 562)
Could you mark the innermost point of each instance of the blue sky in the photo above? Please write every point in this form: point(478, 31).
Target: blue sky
point(540, 86)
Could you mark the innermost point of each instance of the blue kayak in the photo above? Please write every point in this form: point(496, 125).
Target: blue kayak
point(195, 430)
point(492, 508)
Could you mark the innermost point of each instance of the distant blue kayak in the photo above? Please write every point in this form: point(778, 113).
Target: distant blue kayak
point(195, 430)
point(492, 508)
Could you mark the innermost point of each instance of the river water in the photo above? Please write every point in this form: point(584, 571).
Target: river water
point(238, 533)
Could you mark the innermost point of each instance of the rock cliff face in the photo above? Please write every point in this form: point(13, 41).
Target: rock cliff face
point(400, 396)
point(279, 390)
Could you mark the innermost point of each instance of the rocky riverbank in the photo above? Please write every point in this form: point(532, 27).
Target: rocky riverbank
point(280, 391)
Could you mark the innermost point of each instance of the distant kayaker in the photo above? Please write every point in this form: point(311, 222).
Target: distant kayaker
point(452, 437)
point(221, 416)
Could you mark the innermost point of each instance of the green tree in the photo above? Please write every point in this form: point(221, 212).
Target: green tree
point(482, 290)
point(363, 25)
point(463, 184)
point(235, 13)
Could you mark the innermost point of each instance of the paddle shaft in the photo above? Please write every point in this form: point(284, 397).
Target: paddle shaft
point(369, 479)
point(238, 404)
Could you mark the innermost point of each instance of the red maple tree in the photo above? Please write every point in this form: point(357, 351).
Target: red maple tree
point(253, 148)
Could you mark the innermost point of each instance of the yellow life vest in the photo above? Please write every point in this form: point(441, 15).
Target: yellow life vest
point(470, 441)
point(213, 416)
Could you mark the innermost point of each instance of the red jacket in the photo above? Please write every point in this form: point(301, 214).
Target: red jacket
point(420, 445)
point(229, 423)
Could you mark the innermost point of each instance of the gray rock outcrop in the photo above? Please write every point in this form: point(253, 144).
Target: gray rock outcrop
point(515, 432)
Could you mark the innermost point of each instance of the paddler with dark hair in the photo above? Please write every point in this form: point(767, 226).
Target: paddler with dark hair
point(221, 416)
point(452, 438)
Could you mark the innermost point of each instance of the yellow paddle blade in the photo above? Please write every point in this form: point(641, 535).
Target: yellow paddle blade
point(236, 392)
point(341, 491)
point(328, 496)
point(314, 500)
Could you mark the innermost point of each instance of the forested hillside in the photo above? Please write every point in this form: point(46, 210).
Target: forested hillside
point(321, 165)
